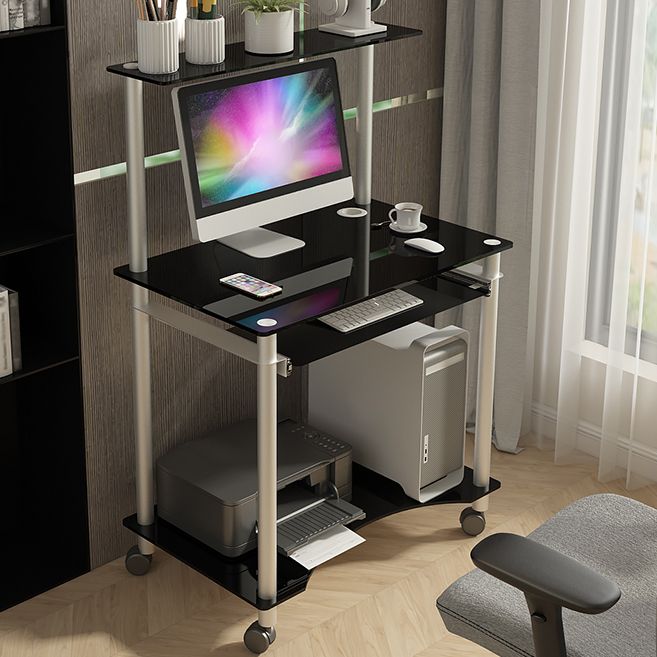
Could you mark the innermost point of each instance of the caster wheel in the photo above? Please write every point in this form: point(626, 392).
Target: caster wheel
point(257, 639)
point(472, 522)
point(137, 563)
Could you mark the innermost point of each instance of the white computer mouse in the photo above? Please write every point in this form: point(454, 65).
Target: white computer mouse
point(423, 244)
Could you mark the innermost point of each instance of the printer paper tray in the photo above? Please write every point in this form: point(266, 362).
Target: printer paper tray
point(299, 528)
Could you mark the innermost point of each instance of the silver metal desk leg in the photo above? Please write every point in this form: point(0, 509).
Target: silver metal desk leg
point(138, 248)
point(364, 125)
point(486, 381)
point(261, 634)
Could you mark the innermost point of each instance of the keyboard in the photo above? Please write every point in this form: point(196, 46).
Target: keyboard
point(369, 311)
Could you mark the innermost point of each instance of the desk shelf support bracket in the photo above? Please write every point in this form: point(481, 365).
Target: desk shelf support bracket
point(214, 335)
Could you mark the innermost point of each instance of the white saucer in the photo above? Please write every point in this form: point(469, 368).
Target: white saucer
point(352, 213)
point(422, 227)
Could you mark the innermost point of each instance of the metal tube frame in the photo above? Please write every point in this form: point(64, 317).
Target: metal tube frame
point(211, 334)
point(269, 362)
point(486, 381)
point(267, 479)
point(138, 254)
point(364, 118)
point(270, 365)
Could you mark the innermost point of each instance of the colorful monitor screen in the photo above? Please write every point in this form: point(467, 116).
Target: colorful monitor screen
point(263, 136)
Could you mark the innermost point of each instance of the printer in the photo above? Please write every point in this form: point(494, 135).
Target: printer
point(208, 487)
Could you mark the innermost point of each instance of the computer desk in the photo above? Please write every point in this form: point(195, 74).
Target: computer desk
point(344, 261)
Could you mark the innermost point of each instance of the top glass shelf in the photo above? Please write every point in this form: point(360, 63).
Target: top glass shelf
point(309, 43)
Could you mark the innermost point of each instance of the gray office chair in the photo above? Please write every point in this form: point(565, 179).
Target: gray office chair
point(597, 555)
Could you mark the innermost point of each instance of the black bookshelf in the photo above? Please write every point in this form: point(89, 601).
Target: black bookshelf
point(43, 488)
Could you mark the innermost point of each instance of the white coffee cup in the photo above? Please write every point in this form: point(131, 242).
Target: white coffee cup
point(408, 216)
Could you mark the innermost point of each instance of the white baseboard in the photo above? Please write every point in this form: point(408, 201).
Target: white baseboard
point(589, 437)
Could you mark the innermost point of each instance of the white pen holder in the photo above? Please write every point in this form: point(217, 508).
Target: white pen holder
point(205, 41)
point(157, 46)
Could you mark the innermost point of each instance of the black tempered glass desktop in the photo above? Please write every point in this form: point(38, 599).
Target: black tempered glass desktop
point(344, 261)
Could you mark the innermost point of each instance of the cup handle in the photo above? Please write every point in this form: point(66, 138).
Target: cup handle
point(390, 215)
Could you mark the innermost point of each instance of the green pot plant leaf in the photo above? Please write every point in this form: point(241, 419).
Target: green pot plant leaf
point(259, 7)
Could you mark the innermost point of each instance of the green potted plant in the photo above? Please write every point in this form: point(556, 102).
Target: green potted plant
point(269, 26)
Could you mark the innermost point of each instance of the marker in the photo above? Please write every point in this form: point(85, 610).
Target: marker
point(205, 10)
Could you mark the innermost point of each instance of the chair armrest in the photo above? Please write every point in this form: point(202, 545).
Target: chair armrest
point(541, 572)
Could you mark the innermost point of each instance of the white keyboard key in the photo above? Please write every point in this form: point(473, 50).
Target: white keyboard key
point(370, 311)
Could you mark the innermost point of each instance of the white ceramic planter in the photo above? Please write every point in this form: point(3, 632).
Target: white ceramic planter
point(157, 46)
point(270, 34)
point(205, 41)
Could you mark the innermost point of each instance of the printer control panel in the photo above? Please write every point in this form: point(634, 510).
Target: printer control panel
point(338, 450)
point(328, 443)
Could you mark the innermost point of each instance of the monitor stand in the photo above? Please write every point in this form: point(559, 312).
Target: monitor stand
point(261, 243)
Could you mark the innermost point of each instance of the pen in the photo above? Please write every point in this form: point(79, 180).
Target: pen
point(152, 12)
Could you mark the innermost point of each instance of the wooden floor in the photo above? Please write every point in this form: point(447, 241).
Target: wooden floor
point(378, 600)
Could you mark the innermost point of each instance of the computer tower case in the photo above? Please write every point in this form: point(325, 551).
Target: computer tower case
point(400, 401)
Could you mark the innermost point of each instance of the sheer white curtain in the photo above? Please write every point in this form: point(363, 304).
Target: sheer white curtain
point(596, 279)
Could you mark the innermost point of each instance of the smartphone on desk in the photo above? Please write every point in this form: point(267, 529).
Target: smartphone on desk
point(254, 287)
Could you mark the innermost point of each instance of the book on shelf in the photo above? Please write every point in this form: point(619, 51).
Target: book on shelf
point(4, 15)
point(31, 13)
point(6, 365)
point(16, 17)
point(44, 6)
point(18, 14)
point(10, 332)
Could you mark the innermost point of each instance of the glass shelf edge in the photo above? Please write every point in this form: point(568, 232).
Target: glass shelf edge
point(26, 372)
point(265, 60)
point(150, 533)
point(26, 246)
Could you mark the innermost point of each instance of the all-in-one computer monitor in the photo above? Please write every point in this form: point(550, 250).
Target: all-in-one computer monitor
point(261, 148)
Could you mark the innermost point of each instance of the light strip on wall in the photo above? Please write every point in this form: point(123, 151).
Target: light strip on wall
point(151, 161)
point(112, 170)
point(302, 15)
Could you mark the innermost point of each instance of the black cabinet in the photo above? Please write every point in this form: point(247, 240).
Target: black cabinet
point(43, 499)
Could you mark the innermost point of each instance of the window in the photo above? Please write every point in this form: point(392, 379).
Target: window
point(610, 221)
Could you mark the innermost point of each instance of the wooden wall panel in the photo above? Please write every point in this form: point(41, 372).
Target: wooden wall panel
point(403, 67)
point(197, 388)
point(406, 154)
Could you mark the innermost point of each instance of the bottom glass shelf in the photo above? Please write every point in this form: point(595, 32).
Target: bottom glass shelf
point(379, 496)
point(237, 575)
point(375, 494)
